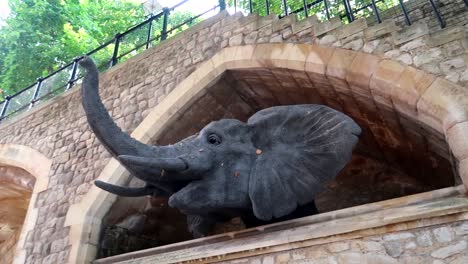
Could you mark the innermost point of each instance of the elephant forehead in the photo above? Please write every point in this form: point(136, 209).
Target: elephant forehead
point(228, 127)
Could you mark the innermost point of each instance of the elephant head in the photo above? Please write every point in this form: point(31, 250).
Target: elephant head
point(279, 159)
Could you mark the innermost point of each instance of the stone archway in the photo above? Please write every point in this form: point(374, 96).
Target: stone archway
point(36, 165)
point(376, 84)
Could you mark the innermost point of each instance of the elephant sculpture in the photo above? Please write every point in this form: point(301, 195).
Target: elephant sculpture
point(266, 168)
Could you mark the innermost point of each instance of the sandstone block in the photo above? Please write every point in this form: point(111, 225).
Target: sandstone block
point(327, 26)
point(284, 22)
point(445, 36)
point(338, 247)
point(407, 34)
point(409, 88)
point(383, 81)
point(457, 139)
point(377, 31)
point(304, 24)
point(443, 105)
point(451, 250)
point(339, 63)
point(351, 28)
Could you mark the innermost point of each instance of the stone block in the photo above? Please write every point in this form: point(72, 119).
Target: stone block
point(327, 26)
point(450, 250)
point(304, 24)
point(351, 28)
point(443, 105)
point(383, 81)
point(266, 20)
point(318, 59)
point(379, 30)
point(457, 139)
point(409, 33)
point(463, 172)
point(445, 36)
point(284, 22)
point(407, 90)
point(339, 63)
point(361, 69)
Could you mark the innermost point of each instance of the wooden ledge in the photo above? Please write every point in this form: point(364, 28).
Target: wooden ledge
point(435, 207)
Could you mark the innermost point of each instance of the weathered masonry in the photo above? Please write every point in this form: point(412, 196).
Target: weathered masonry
point(406, 86)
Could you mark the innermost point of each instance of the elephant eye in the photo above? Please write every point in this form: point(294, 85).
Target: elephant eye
point(214, 139)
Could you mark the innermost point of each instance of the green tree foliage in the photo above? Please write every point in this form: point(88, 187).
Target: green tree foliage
point(42, 35)
point(336, 7)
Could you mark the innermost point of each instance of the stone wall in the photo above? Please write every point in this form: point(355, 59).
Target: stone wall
point(130, 90)
point(436, 245)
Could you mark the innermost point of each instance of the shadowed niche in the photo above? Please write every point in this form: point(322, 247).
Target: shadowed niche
point(395, 156)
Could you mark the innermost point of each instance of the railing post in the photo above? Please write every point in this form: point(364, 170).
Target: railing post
point(115, 55)
point(267, 5)
point(165, 21)
point(5, 106)
point(285, 5)
point(466, 2)
point(349, 11)
point(150, 30)
point(376, 11)
point(325, 2)
point(37, 89)
point(438, 15)
point(71, 80)
point(306, 12)
point(250, 6)
point(222, 5)
point(405, 13)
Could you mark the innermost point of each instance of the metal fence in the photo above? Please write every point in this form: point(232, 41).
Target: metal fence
point(144, 35)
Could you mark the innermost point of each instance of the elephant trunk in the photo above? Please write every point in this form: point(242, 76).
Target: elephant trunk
point(111, 136)
point(144, 161)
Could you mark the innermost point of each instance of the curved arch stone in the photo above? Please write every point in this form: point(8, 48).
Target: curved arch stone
point(419, 96)
point(38, 166)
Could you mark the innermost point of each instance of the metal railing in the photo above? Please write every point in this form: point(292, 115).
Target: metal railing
point(143, 36)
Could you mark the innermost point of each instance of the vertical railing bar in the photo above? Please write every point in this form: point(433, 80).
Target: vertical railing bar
point(5, 106)
point(285, 5)
point(37, 89)
point(376, 11)
point(466, 2)
point(115, 55)
point(438, 15)
point(306, 12)
point(349, 11)
point(405, 13)
point(250, 6)
point(222, 5)
point(150, 31)
point(235, 6)
point(165, 21)
point(267, 4)
point(327, 12)
point(71, 80)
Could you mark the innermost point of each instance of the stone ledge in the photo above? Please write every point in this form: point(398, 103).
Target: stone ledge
point(284, 22)
point(304, 24)
point(445, 36)
point(327, 26)
point(407, 34)
point(377, 31)
point(352, 28)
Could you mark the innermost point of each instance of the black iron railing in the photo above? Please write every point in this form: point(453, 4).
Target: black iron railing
point(142, 36)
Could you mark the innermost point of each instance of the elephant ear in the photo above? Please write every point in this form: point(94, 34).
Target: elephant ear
point(301, 148)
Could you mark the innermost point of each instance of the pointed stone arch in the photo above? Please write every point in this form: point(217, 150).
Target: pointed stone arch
point(419, 96)
point(38, 166)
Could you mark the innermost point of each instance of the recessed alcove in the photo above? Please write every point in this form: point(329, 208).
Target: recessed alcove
point(396, 156)
point(16, 186)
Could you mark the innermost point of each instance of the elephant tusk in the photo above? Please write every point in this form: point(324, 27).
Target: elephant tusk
point(126, 191)
point(173, 164)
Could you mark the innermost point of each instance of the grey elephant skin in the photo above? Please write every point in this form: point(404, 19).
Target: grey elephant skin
point(265, 169)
